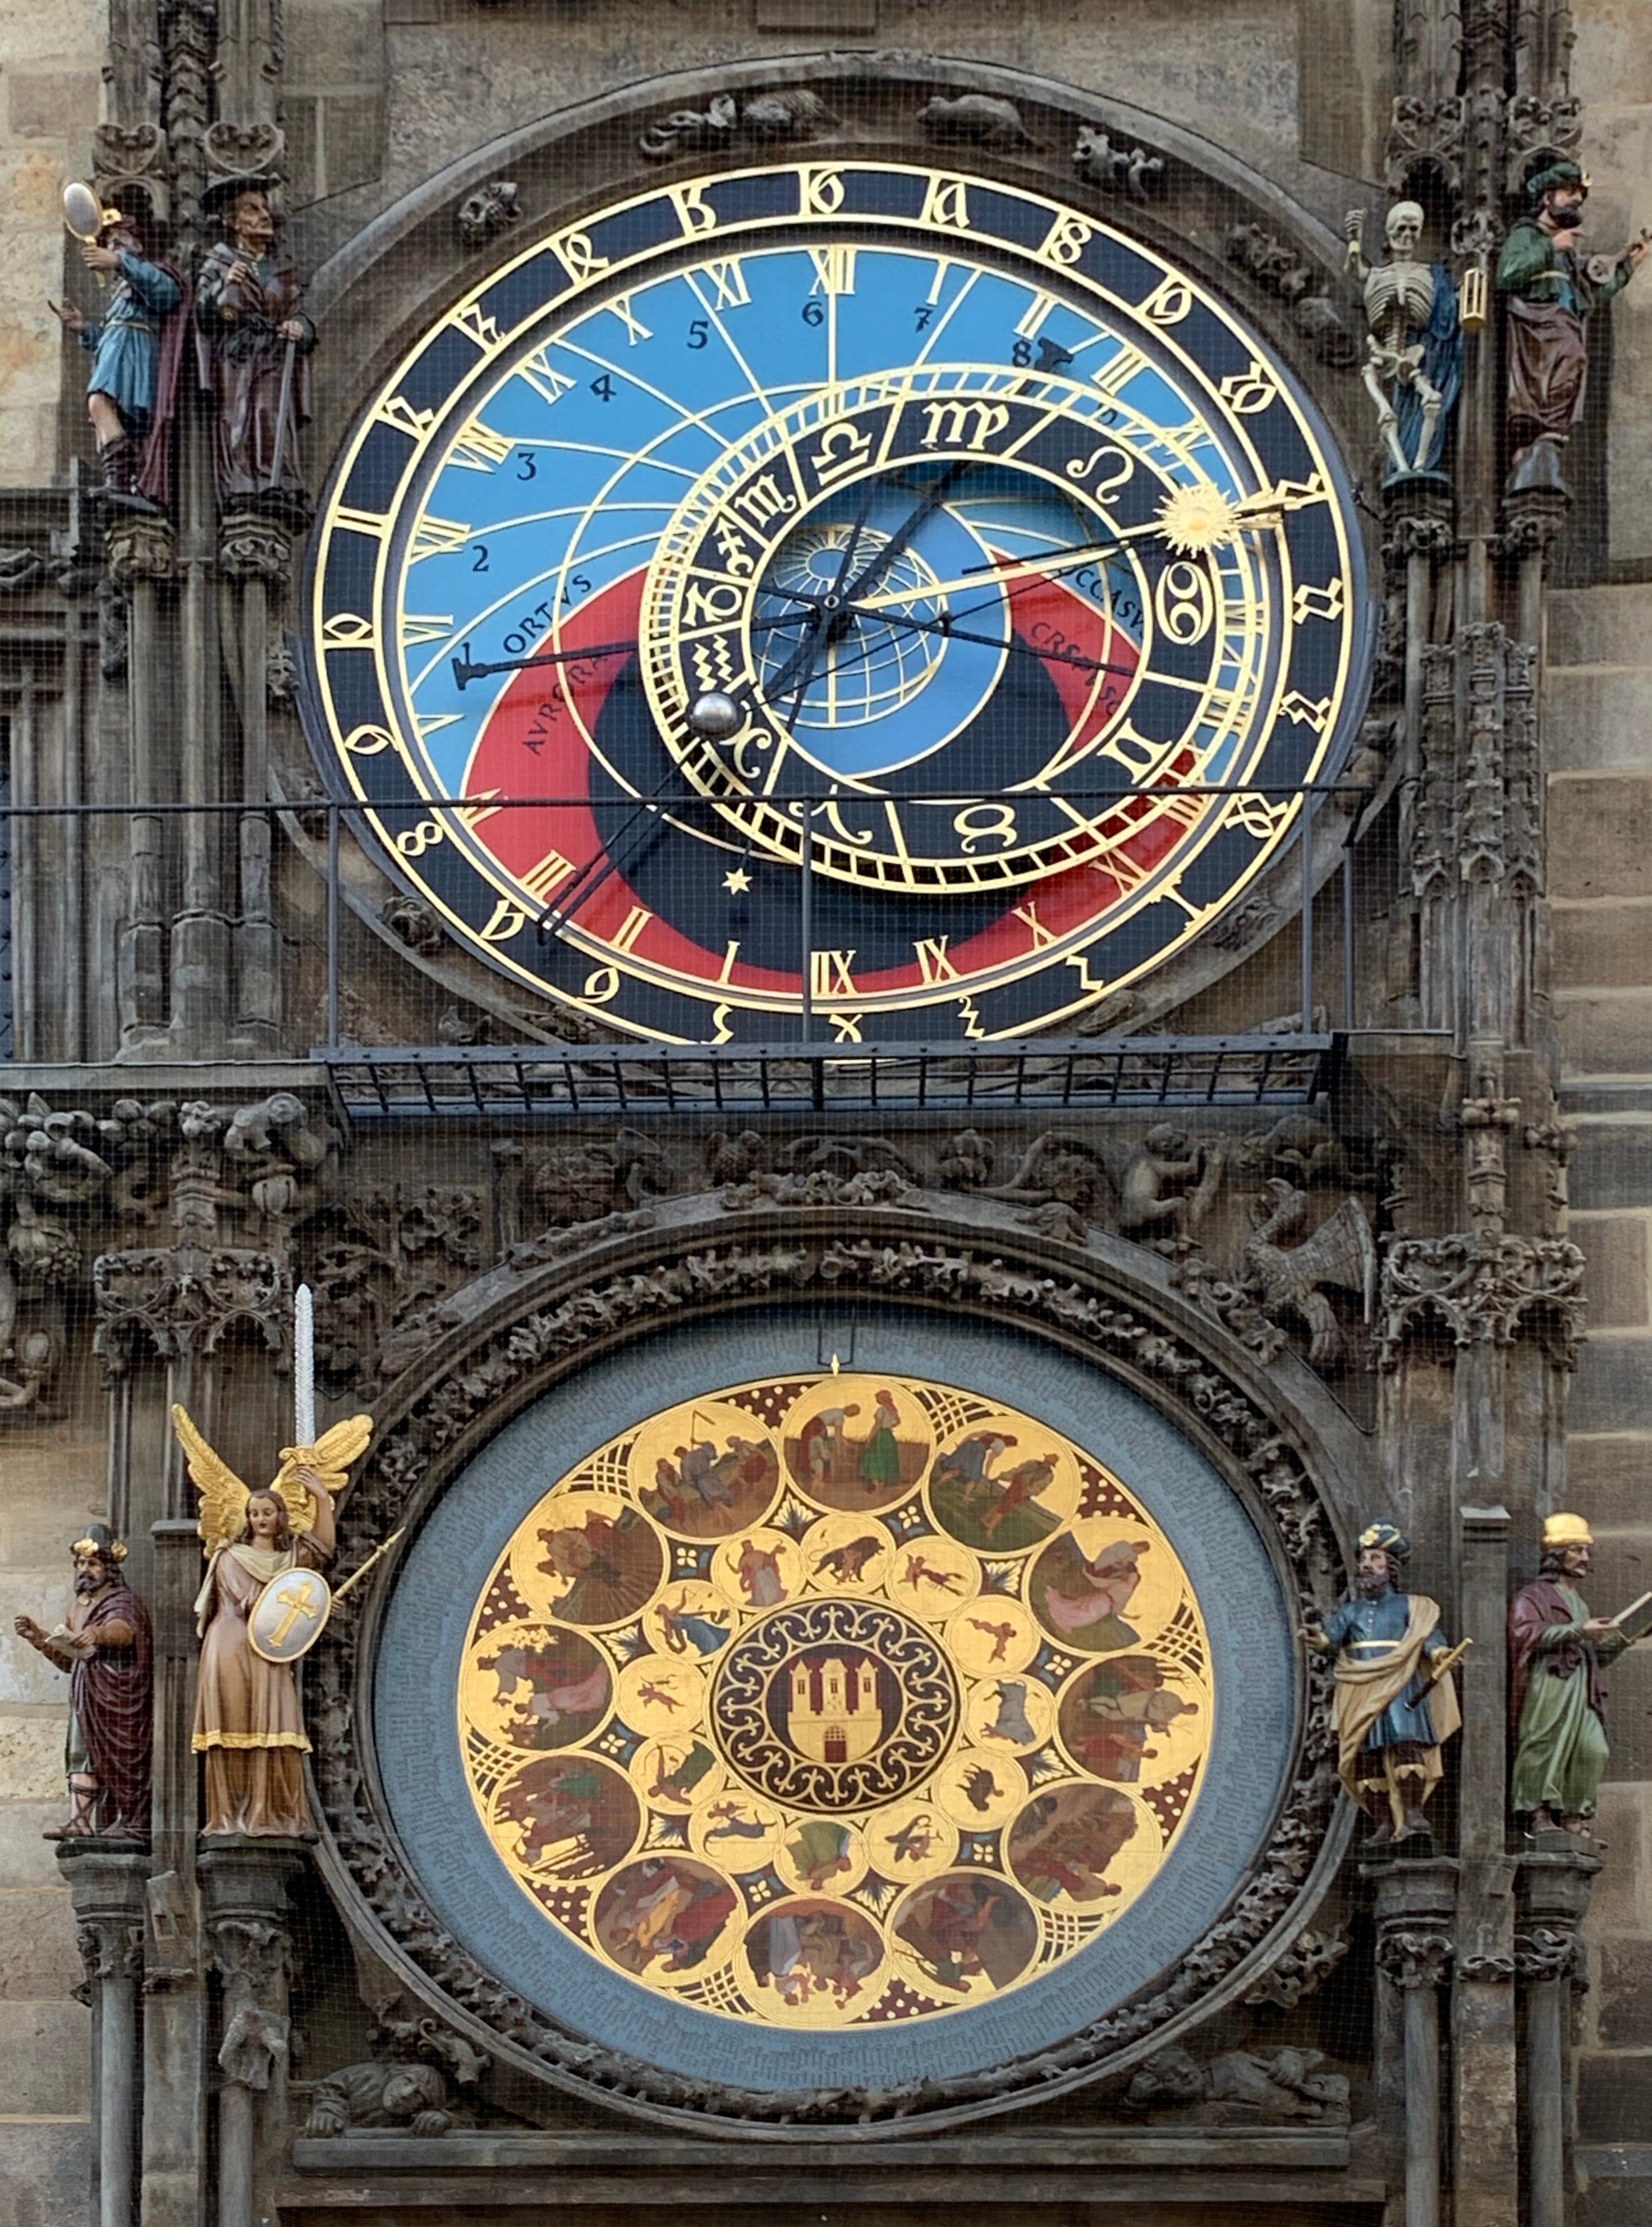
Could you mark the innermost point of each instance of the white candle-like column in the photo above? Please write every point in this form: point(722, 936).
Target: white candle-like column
point(304, 1367)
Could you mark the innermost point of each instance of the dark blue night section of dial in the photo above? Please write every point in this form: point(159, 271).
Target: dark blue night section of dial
point(682, 881)
point(1007, 216)
point(352, 560)
point(749, 200)
point(533, 285)
point(446, 358)
point(883, 193)
point(1218, 866)
point(376, 469)
point(634, 231)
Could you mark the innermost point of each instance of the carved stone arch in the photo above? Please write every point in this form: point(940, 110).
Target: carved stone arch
point(1238, 232)
point(1276, 1438)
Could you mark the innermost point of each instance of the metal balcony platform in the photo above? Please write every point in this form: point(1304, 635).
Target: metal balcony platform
point(1031, 1074)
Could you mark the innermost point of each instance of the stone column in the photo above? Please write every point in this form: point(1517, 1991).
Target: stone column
point(1415, 1903)
point(107, 1888)
point(1553, 1894)
point(245, 1885)
point(1486, 2129)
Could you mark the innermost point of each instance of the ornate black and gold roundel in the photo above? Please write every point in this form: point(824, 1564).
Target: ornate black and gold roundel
point(883, 523)
point(835, 1702)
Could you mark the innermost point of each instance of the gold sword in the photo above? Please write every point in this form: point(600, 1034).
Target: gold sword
point(355, 1576)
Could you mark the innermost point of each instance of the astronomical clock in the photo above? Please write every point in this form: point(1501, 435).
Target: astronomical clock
point(857, 599)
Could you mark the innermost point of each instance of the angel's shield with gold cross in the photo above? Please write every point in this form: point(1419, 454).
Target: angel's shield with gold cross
point(288, 1615)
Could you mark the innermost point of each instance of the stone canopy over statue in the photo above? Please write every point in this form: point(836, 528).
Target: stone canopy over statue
point(1394, 1704)
point(248, 1726)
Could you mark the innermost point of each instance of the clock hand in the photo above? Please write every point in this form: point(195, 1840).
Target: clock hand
point(466, 669)
point(899, 544)
point(953, 632)
point(827, 628)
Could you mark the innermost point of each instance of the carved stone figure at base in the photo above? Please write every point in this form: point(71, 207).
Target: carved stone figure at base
point(248, 1726)
point(413, 2097)
point(1394, 1704)
point(103, 1644)
point(1415, 361)
point(1556, 1701)
point(1550, 293)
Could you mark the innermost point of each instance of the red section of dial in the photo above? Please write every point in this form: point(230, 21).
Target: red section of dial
point(533, 744)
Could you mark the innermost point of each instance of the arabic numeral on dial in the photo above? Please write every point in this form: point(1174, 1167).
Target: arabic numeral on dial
point(985, 823)
point(479, 561)
point(814, 313)
point(602, 388)
point(1021, 353)
point(700, 332)
point(1184, 603)
point(527, 464)
point(924, 316)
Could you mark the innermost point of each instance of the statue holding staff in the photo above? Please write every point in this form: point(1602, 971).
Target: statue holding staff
point(105, 1645)
point(1557, 1703)
point(1394, 1704)
point(253, 342)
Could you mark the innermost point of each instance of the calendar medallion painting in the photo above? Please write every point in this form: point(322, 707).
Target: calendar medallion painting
point(833, 1701)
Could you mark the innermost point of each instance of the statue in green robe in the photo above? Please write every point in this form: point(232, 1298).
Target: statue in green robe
point(1556, 1652)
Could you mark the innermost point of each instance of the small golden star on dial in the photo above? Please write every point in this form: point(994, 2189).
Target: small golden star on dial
point(736, 881)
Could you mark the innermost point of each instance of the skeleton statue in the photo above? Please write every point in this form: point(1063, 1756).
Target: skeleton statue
point(1415, 363)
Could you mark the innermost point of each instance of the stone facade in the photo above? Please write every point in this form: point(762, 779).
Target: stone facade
point(174, 1159)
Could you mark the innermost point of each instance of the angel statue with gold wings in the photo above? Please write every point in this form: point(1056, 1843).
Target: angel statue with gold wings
point(248, 1720)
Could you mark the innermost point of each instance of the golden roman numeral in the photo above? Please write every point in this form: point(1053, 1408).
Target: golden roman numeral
point(635, 330)
point(625, 936)
point(479, 448)
point(1038, 309)
point(547, 874)
point(1119, 370)
point(548, 384)
point(829, 974)
point(437, 537)
point(424, 626)
point(728, 285)
point(1043, 937)
point(933, 962)
point(834, 270)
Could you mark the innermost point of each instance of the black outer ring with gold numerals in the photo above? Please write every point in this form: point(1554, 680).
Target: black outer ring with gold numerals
point(369, 745)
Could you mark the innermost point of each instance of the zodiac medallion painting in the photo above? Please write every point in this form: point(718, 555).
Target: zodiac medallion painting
point(836, 1701)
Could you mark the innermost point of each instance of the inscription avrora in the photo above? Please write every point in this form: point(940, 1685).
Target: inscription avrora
point(836, 1700)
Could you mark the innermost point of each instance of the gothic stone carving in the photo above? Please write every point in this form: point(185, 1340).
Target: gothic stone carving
point(1415, 1960)
point(790, 112)
point(1484, 1290)
point(974, 119)
point(1237, 2089)
point(1302, 1970)
point(1280, 268)
point(515, 1360)
point(492, 208)
point(1117, 169)
point(251, 1956)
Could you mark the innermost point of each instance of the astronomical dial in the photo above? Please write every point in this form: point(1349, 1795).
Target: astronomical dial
point(861, 588)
